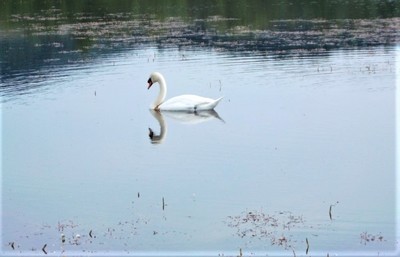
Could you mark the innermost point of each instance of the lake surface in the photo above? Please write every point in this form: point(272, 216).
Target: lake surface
point(299, 158)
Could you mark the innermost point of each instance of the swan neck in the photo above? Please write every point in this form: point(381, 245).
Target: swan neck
point(161, 95)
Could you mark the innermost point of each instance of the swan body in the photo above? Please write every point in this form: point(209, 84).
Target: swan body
point(178, 103)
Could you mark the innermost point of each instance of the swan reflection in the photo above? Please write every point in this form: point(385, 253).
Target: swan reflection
point(182, 117)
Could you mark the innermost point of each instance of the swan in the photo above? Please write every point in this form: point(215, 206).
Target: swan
point(178, 103)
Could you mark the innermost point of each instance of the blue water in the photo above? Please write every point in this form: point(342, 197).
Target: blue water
point(295, 137)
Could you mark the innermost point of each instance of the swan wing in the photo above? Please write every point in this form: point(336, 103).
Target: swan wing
point(189, 103)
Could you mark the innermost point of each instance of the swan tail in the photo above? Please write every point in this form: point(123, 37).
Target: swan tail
point(209, 105)
point(219, 99)
point(216, 102)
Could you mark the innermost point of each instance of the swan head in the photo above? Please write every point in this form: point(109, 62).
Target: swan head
point(154, 78)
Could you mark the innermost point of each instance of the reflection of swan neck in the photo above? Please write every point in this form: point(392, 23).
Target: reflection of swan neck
point(161, 95)
point(156, 139)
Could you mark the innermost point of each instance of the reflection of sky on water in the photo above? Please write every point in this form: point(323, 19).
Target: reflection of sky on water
point(299, 135)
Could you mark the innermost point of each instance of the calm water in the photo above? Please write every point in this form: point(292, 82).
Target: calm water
point(298, 159)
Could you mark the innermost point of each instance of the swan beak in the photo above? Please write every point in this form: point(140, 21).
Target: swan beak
point(150, 83)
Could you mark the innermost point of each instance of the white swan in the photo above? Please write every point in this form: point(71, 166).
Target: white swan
point(178, 103)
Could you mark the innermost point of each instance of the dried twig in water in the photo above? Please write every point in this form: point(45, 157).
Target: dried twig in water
point(44, 248)
point(273, 227)
point(76, 239)
point(308, 246)
point(294, 253)
point(163, 203)
point(330, 209)
point(366, 238)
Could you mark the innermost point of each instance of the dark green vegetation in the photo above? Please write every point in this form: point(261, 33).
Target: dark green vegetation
point(249, 12)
